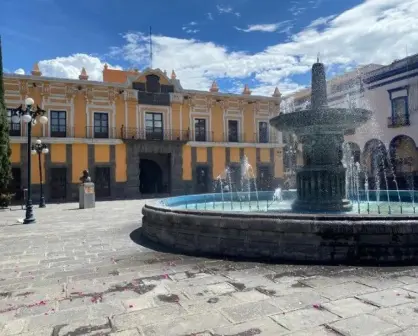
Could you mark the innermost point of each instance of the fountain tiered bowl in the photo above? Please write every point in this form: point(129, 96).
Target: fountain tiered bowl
point(315, 223)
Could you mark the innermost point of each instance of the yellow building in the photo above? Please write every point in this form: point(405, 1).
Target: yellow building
point(141, 134)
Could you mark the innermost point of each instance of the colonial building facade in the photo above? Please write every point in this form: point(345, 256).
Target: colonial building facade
point(141, 134)
point(386, 145)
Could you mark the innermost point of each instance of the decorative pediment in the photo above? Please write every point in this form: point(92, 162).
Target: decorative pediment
point(141, 76)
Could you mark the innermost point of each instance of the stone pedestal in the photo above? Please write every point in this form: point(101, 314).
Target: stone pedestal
point(87, 196)
point(321, 189)
point(321, 182)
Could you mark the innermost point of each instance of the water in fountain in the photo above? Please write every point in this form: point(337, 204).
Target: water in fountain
point(248, 178)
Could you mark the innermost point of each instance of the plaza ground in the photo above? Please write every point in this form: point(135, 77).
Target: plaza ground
point(88, 272)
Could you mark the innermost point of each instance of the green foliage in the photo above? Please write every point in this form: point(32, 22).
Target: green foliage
point(5, 150)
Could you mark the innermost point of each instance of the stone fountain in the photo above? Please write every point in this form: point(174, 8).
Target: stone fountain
point(321, 181)
point(316, 223)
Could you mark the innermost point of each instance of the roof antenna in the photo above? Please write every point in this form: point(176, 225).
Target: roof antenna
point(150, 47)
point(317, 57)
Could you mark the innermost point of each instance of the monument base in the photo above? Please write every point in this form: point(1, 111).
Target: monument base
point(87, 197)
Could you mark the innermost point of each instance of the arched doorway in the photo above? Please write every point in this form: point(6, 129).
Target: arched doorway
point(355, 151)
point(404, 157)
point(150, 177)
point(375, 161)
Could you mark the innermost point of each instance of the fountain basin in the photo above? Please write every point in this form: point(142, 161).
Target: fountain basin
point(321, 120)
point(282, 236)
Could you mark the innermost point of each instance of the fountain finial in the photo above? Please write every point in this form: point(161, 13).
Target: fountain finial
point(317, 57)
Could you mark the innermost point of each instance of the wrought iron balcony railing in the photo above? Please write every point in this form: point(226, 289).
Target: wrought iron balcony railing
point(247, 138)
point(398, 121)
point(153, 134)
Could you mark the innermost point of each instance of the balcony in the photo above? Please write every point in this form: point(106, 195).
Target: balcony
point(89, 132)
point(127, 133)
point(15, 129)
point(247, 138)
point(398, 121)
point(148, 98)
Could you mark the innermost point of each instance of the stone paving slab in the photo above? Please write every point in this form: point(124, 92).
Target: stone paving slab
point(78, 272)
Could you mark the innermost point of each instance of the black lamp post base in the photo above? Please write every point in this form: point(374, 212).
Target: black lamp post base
point(42, 202)
point(29, 220)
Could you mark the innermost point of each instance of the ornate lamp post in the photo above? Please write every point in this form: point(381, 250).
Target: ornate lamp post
point(29, 116)
point(40, 148)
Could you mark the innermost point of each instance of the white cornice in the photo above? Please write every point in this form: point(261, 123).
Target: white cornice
point(126, 86)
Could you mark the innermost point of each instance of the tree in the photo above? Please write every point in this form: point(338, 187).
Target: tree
point(5, 150)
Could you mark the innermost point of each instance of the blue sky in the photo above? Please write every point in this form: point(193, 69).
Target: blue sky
point(262, 43)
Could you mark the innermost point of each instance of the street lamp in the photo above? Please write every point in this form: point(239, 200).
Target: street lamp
point(40, 148)
point(29, 115)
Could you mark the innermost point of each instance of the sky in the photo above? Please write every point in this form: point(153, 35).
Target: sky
point(262, 43)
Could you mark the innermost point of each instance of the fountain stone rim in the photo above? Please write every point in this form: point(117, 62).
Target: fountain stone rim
point(317, 238)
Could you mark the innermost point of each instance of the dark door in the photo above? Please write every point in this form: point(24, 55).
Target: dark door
point(101, 125)
point(202, 180)
point(102, 181)
point(150, 177)
point(264, 178)
point(200, 129)
point(263, 136)
point(154, 126)
point(58, 183)
point(16, 183)
point(233, 130)
point(58, 123)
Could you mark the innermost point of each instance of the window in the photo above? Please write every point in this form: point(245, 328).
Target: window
point(101, 125)
point(233, 130)
point(263, 136)
point(58, 124)
point(200, 129)
point(154, 126)
point(153, 83)
point(14, 128)
point(400, 113)
point(102, 181)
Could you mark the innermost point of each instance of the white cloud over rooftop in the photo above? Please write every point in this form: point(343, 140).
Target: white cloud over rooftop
point(377, 31)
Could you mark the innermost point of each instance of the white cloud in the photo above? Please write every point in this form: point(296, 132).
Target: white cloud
point(377, 31)
point(210, 16)
point(19, 71)
point(227, 10)
point(70, 67)
point(321, 21)
point(267, 27)
point(188, 28)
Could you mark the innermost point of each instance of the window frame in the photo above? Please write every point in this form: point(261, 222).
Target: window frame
point(61, 132)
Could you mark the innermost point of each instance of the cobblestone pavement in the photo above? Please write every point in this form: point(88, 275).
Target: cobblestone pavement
point(78, 272)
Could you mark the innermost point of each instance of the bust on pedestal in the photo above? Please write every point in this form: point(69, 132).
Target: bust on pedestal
point(86, 192)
